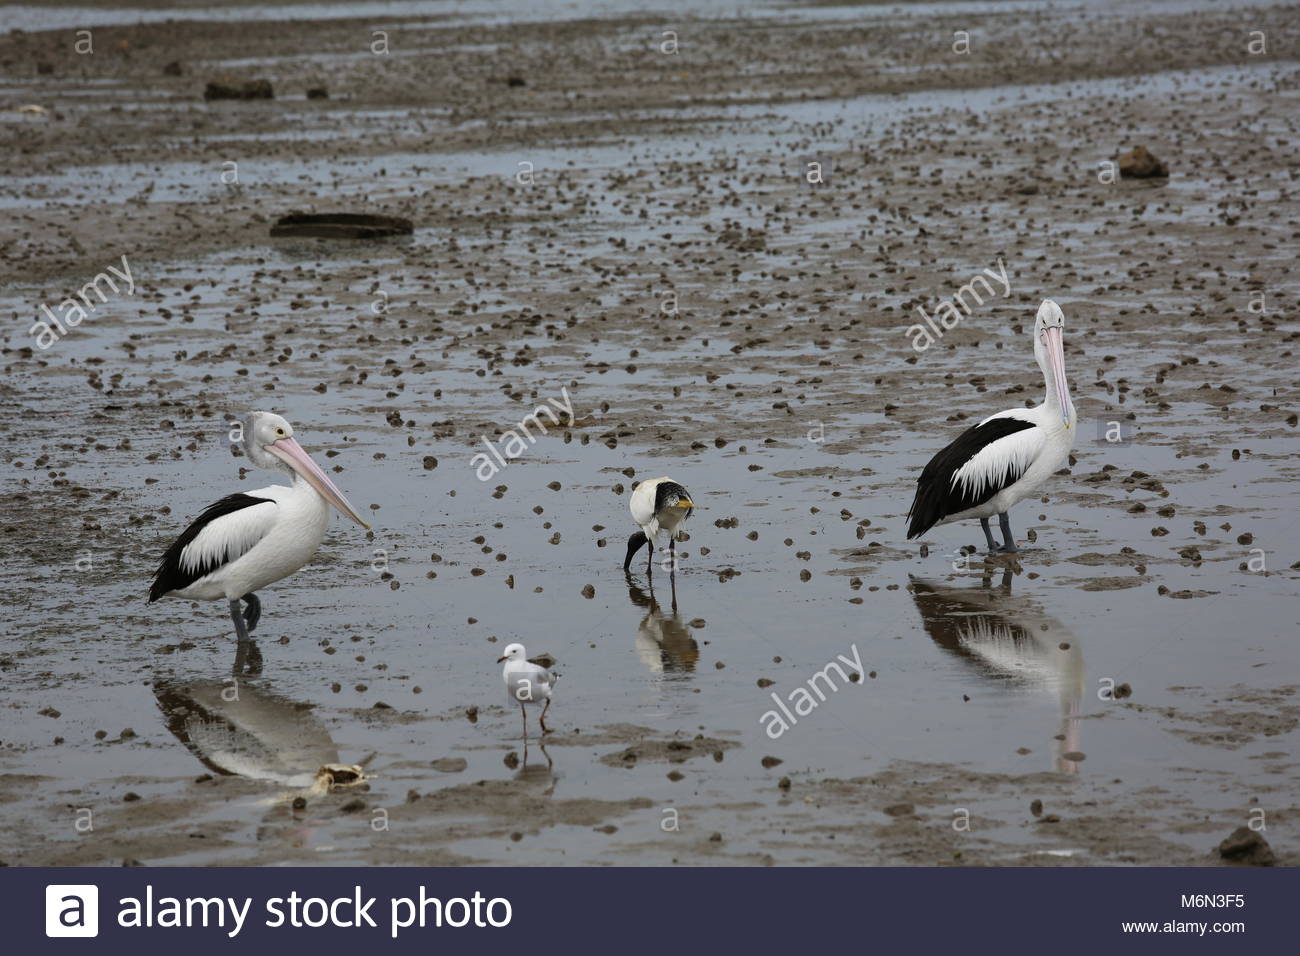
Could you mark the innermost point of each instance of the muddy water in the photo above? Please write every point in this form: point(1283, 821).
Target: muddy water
point(783, 392)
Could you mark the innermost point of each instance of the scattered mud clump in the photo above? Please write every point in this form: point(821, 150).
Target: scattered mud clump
point(227, 88)
point(1246, 847)
point(1139, 163)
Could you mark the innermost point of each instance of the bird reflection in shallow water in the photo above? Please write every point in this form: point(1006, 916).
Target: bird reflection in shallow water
point(663, 642)
point(534, 772)
point(1009, 639)
point(235, 728)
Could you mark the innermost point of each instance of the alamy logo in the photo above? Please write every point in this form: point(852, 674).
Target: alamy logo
point(71, 909)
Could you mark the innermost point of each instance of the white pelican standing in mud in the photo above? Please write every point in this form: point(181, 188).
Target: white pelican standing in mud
point(246, 541)
point(658, 504)
point(1007, 456)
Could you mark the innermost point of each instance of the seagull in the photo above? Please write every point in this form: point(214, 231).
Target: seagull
point(1007, 456)
point(658, 504)
point(528, 681)
point(244, 542)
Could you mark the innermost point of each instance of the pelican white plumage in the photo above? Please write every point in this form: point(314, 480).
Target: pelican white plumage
point(246, 541)
point(528, 682)
point(1007, 456)
point(657, 504)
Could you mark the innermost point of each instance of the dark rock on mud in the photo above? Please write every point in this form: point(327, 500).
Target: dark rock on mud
point(1246, 847)
point(1139, 163)
point(341, 225)
point(227, 88)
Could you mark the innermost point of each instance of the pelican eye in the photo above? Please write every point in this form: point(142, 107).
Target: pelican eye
point(279, 431)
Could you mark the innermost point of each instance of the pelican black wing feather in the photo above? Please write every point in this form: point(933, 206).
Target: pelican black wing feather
point(170, 576)
point(936, 496)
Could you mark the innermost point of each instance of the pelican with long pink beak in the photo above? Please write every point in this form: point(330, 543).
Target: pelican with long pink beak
point(1008, 456)
point(246, 541)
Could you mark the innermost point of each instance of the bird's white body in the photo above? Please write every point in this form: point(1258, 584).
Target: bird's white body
point(272, 541)
point(526, 682)
point(1041, 451)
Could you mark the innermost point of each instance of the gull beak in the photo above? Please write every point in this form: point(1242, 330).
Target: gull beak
point(1056, 359)
point(500, 659)
point(290, 452)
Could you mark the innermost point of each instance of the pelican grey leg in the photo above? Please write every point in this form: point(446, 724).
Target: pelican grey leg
point(248, 659)
point(252, 613)
point(241, 628)
point(1008, 542)
point(988, 535)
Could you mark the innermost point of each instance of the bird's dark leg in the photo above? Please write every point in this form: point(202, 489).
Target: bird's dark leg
point(253, 612)
point(988, 535)
point(542, 719)
point(1008, 542)
point(672, 556)
point(524, 714)
point(237, 616)
point(651, 548)
point(247, 656)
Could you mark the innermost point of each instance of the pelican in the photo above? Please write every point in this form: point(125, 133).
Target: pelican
point(246, 541)
point(528, 681)
point(1007, 456)
point(658, 504)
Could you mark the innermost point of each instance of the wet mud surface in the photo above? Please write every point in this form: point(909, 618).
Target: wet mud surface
point(1123, 691)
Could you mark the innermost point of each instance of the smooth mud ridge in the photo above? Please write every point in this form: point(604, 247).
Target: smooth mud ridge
point(623, 231)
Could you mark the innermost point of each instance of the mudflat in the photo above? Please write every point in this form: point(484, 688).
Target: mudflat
point(710, 236)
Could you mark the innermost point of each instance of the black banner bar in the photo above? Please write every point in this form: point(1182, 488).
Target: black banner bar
point(649, 910)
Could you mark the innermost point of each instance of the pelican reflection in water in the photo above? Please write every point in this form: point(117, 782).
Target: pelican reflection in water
point(238, 729)
point(663, 642)
point(1009, 639)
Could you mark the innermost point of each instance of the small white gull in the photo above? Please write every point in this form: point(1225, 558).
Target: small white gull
point(528, 681)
